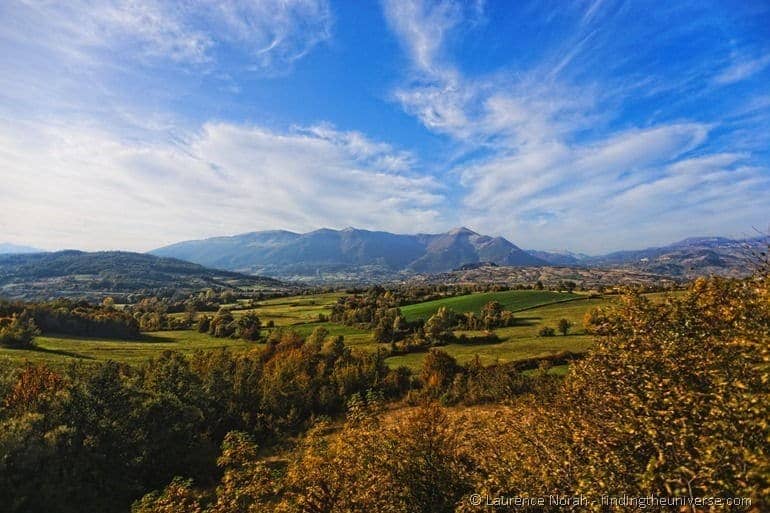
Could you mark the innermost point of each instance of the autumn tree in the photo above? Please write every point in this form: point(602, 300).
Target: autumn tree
point(18, 331)
point(564, 326)
point(439, 326)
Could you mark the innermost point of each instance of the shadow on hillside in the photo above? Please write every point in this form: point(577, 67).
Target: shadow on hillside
point(153, 338)
point(527, 321)
point(60, 352)
point(478, 341)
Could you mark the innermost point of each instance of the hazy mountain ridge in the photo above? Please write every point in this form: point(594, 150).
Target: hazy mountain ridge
point(350, 255)
point(7, 248)
point(346, 256)
point(688, 258)
point(78, 273)
point(348, 251)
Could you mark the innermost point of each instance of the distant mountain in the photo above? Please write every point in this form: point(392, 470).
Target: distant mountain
point(560, 258)
point(349, 254)
point(550, 276)
point(115, 273)
point(697, 256)
point(8, 248)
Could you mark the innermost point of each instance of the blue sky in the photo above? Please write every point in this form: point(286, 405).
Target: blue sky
point(588, 125)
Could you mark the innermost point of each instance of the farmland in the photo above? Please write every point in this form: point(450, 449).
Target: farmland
point(300, 313)
point(512, 300)
point(521, 341)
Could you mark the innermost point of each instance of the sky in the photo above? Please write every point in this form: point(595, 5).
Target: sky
point(592, 125)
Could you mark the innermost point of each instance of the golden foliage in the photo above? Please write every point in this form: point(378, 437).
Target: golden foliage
point(673, 401)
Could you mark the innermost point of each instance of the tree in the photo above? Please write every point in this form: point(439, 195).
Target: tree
point(18, 331)
point(190, 312)
point(249, 327)
point(564, 326)
point(437, 372)
point(438, 329)
point(204, 323)
point(222, 324)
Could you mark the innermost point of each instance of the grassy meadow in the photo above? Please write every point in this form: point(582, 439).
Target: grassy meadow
point(535, 310)
point(522, 341)
point(56, 351)
point(512, 300)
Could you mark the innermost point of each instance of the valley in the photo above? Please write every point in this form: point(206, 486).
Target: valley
point(533, 310)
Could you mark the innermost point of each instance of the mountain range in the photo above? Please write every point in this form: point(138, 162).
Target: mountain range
point(351, 255)
point(362, 255)
point(327, 253)
point(688, 258)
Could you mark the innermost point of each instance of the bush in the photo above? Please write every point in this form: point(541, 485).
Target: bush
point(18, 331)
point(547, 331)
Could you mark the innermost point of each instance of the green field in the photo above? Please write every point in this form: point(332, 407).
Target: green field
point(535, 310)
point(289, 311)
point(513, 300)
point(521, 341)
point(63, 350)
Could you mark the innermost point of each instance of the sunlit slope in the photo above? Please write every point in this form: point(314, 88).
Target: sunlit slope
point(510, 300)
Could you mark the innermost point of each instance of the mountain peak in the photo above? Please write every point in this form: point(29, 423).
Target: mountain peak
point(350, 250)
point(461, 230)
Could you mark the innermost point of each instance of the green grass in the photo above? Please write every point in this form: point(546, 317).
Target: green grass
point(301, 313)
point(294, 310)
point(63, 350)
point(521, 341)
point(354, 337)
point(286, 311)
point(556, 370)
point(513, 300)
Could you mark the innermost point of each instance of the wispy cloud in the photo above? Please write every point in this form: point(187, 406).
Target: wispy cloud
point(741, 69)
point(130, 123)
point(272, 32)
point(552, 166)
point(69, 184)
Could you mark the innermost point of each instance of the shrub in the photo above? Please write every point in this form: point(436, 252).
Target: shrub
point(547, 331)
point(18, 331)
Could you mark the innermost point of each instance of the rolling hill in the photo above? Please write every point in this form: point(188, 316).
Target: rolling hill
point(116, 273)
point(513, 300)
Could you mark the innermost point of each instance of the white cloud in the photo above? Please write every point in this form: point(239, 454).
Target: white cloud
point(272, 32)
point(422, 27)
point(552, 173)
point(741, 69)
point(76, 187)
point(633, 190)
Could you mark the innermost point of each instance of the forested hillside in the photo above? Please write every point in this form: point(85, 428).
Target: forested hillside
point(112, 273)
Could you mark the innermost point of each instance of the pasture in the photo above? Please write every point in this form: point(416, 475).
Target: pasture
point(62, 350)
point(520, 341)
point(535, 309)
point(513, 300)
